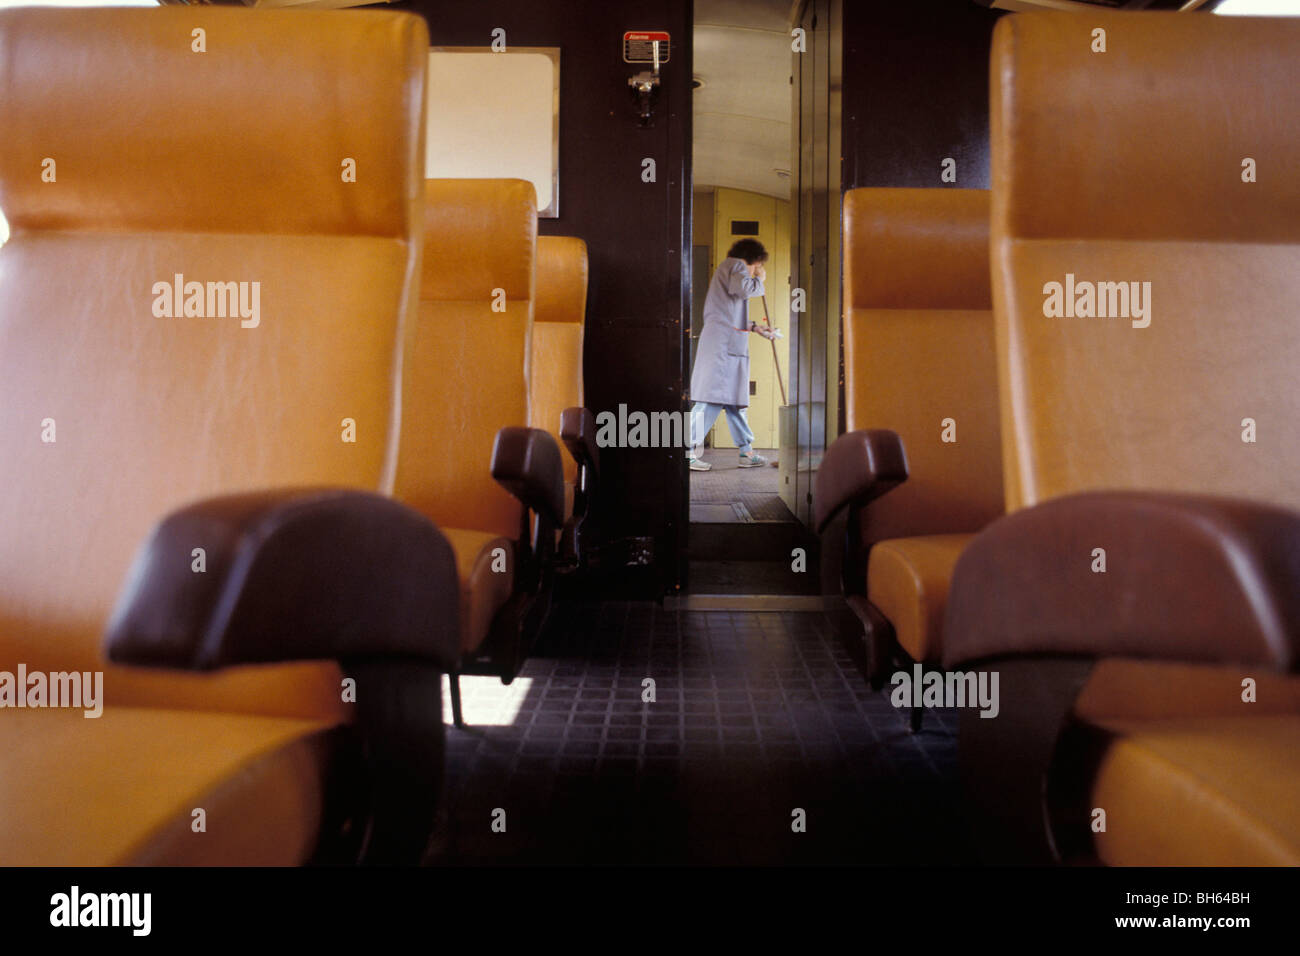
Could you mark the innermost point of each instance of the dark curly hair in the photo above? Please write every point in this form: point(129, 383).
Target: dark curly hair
point(751, 250)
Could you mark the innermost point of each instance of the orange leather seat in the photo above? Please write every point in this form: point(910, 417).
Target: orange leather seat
point(1216, 791)
point(483, 591)
point(1128, 428)
point(119, 405)
point(121, 789)
point(468, 378)
point(918, 363)
point(907, 580)
point(559, 320)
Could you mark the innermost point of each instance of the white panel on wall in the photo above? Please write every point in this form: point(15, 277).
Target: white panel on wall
point(495, 115)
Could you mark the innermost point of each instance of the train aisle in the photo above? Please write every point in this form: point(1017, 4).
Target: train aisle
point(756, 715)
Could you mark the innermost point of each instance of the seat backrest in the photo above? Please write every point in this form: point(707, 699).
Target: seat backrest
point(467, 375)
point(918, 354)
point(1146, 253)
point(122, 398)
point(558, 324)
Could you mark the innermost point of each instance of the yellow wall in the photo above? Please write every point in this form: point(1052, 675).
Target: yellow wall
point(702, 223)
point(773, 216)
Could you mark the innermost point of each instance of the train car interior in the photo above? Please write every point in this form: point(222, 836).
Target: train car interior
point(729, 433)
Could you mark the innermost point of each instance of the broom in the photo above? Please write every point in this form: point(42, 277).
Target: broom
point(775, 360)
point(767, 319)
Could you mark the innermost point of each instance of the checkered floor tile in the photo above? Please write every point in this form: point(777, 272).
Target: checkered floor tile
point(758, 719)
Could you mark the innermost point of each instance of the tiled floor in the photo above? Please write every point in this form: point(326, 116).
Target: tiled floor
point(715, 493)
point(756, 715)
point(752, 577)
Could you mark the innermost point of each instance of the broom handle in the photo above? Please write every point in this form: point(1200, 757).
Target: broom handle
point(775, 361)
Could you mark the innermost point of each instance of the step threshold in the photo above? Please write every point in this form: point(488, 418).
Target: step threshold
point(745, 602)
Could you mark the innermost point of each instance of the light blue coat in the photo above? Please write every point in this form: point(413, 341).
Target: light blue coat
point(721, 373)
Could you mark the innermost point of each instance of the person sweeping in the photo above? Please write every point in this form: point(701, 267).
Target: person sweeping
point(720, 379)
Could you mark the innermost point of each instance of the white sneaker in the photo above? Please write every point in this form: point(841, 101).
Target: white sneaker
point(752, 461)
point(698, 465)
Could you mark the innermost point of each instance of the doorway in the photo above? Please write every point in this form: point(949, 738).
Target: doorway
point(745, 534)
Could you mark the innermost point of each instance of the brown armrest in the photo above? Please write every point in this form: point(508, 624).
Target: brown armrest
point(578, 432)
point(306, 575)
point(289, 575)
point(526, 462)
point(1187, 577)
point(858, 467)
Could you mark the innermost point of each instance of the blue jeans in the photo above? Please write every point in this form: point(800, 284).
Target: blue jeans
point(703, 415)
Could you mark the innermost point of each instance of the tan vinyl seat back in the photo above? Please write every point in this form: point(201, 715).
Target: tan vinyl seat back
point(468, 372)
point(918, 350)
point(119, 404)
point(558, 324)
point(1129, 166)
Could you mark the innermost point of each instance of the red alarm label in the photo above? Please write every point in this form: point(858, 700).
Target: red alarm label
point(639, 46)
